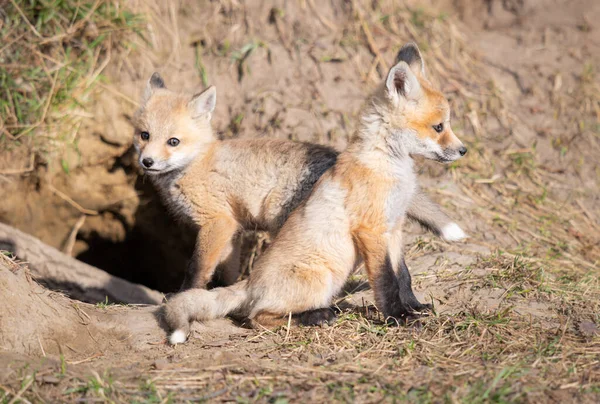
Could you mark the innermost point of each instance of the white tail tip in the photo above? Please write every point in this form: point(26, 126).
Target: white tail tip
point(453, 232)
point(178, 337)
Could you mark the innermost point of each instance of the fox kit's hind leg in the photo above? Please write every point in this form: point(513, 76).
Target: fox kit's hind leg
point(214, 244)
point(389, 275)
point(266, 319)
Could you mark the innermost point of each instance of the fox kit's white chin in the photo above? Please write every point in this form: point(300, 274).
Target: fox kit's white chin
point(440, 157)
point(166, 170)
point(443, 158)
point(150, 171)
point(448, 156)
point(157, 169)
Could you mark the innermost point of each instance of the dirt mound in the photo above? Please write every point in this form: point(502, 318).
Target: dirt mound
point(38, 322)
point(50, 318)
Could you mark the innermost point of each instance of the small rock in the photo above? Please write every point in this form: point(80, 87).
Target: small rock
point(588, 328)
point(160, 364)
point(488, 236)
point(50, 379)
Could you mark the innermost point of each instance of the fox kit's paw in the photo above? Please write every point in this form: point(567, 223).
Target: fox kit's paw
point(420, 308)
point(409, 305)
point(408, 312)
point(405, 318)
point(415, 310)
point(317, 317)
point(453, 232)
point(178, 337)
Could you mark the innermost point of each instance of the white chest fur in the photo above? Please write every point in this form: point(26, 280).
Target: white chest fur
point(401, 193)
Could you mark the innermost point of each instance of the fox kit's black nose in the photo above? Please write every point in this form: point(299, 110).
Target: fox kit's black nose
point(462, 150)
point(147, 162)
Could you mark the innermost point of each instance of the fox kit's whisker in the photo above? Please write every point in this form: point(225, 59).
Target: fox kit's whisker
point(355, 211)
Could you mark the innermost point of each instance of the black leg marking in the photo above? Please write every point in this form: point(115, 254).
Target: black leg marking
point(317, 317)
point(387, 293)
point(406, 293)
point(190, 279)
point(394, 293)
point(188, 276)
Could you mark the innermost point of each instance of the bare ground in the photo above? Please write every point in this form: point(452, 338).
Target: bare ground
point(517, 309)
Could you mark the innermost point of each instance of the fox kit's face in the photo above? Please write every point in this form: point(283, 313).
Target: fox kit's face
point(171, 128)
point(419, 115)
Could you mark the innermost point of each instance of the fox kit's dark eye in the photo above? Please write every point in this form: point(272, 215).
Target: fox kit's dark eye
point(145, 135)
point(438, 128)
point(173, 141)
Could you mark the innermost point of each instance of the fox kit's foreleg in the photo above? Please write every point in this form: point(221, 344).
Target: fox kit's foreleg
point(388, 274)
point(215, 244)
point(430, 215)
point(228, 270)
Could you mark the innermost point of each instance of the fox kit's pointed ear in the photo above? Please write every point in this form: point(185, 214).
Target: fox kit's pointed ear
point(411, 54)
point(155, 82)
point(402, 83)
point(203, 104)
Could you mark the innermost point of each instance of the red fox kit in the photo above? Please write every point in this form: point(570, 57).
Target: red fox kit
point(355, 211)
point(223, 186)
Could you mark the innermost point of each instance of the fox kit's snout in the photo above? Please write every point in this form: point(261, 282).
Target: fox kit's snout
point(418, 114)
point(171, 128)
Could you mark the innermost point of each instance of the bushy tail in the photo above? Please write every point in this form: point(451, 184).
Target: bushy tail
point(200, 304)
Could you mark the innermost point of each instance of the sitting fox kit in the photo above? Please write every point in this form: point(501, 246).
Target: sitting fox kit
point(223, 186)
point(219, 186)
point(355, 211)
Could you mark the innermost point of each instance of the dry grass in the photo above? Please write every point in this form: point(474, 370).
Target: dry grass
point(7, 259)
point(545, 256)
point(52, 55)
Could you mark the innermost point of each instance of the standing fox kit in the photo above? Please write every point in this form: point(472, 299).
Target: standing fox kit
point(355, 211)
point(222, 187)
